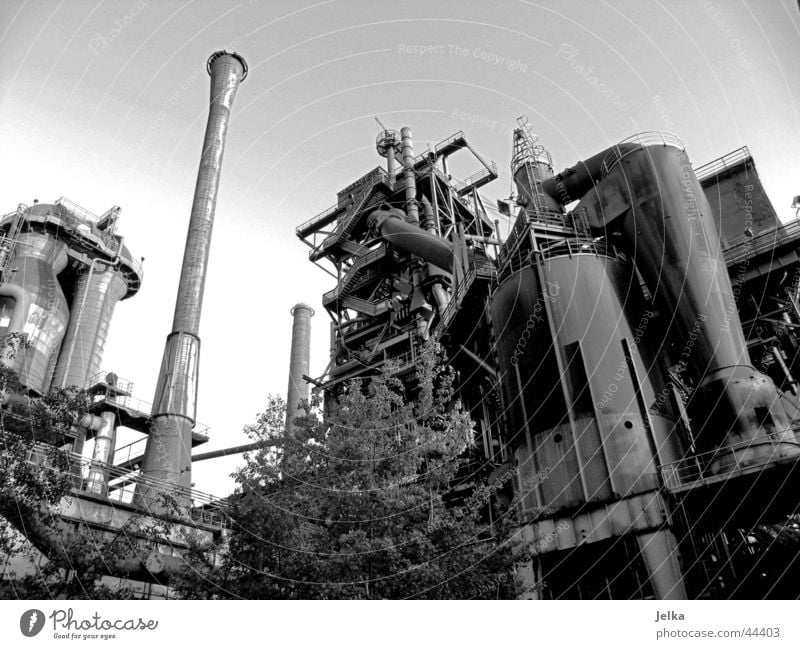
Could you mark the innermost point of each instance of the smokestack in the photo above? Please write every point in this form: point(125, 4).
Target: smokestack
point(168, 454)
point(299, 361)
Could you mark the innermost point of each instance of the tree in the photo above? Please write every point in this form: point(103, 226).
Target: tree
point(36, 473)
point(353, 505)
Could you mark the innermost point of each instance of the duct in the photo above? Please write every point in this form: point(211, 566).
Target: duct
point(412, 239)
point(434, 272)
point(299, 361)
point(167, 456)
point(574, 182)
point(97, 292)
point(40, 309)
point(407, 149)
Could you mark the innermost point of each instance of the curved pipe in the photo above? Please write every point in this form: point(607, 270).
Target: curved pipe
point(574, 182)
point(429, 224)
point(412, 239)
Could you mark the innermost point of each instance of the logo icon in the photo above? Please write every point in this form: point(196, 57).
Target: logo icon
point(31, 622)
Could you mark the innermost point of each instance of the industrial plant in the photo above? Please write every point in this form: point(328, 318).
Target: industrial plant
point(627, 350)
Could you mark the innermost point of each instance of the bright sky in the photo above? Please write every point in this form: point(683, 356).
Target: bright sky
point(106, 103)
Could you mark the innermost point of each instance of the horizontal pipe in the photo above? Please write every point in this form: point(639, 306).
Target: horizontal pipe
point(223, 452)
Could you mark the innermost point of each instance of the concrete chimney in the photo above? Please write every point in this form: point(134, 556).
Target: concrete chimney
point(167, 457)
point(299, 361)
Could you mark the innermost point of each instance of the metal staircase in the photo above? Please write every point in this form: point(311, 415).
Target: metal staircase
point(352, 216)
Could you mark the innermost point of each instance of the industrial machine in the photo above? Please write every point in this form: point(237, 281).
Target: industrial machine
point(62, 271)
point(628, 352)
point(599, 348)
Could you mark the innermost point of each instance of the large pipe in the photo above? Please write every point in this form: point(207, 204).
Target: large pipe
point(574, 182)
point(440, 296)
point(299, 361)
point(412, 239)
point(168, 453)
point(96, 296)
point(224, 452)
point(655, 201)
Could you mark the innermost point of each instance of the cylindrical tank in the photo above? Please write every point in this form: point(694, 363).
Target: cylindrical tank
point(97, 291)
point(586, 403)
point(299, 361)
point(39, 308)
point(668, 227)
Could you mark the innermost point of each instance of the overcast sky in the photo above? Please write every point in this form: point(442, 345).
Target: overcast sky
point(106, 102)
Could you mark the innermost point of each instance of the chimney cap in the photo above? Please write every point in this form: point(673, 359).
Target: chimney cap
point(302, 305)
point(235, 55)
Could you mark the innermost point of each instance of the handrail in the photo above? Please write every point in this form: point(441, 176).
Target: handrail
point(767, 240)
point(133, 403)
point(326, 213)
point(135, 449)
point(695, 467)
point(487, 172)
point(713, 167)
point(647, 138)
point(358, 265)
point(79, 467)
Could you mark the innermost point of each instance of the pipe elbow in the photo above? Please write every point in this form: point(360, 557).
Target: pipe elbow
point(377, 218)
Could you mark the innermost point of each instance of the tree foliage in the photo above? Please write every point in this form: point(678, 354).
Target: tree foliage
point(35, 476)
point(353, 505)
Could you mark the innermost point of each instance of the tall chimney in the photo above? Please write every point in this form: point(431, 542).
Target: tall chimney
point(299, 361)
point(167, 457)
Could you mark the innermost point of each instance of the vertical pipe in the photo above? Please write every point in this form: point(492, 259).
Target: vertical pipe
point(407, 148)
point(103, 454)
point(168, 454)
point(391, 163)
point(299, 361)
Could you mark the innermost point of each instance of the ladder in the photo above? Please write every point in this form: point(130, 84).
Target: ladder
point(9, 242)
